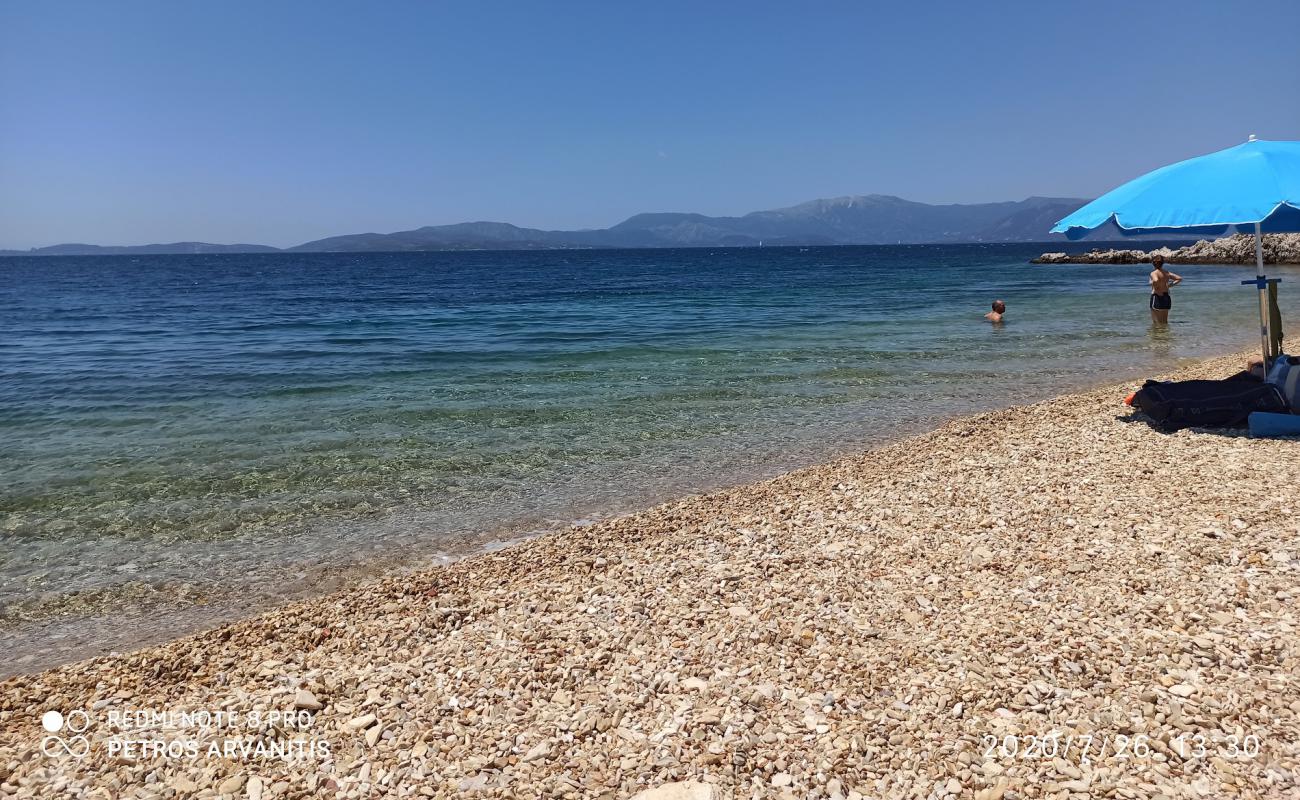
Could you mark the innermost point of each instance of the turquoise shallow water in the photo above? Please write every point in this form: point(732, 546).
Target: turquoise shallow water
point(185, 430)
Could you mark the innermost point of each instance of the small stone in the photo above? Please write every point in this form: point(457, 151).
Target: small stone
point(474, 783)
point(307, 701)
point(538, 752)
point(782, 779)
point(1182, 690)
point(682, 790)
point(231, 785)
point(362, 722)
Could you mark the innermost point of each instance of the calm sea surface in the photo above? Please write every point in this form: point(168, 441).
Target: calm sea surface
point(187, 437)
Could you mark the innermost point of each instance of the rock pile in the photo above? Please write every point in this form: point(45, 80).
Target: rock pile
point(1279, 248)
point(947, 617)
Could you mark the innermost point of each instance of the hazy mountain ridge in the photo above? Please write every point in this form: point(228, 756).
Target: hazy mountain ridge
point(855, 219)
point(175, 248)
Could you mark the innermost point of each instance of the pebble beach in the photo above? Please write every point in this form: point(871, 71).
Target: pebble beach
point(951, 615)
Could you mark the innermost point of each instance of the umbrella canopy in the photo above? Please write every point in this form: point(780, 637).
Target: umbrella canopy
point(1256, 183)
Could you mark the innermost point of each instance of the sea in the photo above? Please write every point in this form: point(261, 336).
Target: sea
point(186, 439)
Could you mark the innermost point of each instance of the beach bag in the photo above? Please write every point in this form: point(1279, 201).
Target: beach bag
point(1176, 405)
point(1285, 375)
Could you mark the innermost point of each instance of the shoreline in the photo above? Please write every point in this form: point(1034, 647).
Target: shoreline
point(197, 607)
point(854, 627)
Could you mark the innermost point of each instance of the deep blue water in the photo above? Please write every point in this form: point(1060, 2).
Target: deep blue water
point(219, 422)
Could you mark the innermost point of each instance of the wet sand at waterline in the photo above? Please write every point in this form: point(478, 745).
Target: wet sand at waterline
point(911, 621)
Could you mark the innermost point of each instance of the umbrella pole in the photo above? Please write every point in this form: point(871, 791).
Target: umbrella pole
point(1263, 297)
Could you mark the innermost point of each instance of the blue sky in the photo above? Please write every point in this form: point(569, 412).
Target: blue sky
point(279, 122)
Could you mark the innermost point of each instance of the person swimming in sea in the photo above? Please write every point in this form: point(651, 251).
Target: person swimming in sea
point(995, 316)
point(1161, 280)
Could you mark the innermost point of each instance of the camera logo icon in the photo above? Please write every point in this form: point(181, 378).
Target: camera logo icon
point(73, 744)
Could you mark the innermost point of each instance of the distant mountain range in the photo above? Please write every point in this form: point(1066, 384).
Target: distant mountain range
point(860, 219)
point(175, 248)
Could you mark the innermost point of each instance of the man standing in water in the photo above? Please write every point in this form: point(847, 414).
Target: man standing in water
point(1161, 279)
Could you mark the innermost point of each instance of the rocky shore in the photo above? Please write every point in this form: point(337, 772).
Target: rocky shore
point(1279, 248)
point(1050, 601)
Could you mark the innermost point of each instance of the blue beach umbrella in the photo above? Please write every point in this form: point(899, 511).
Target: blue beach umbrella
point(1253, 187)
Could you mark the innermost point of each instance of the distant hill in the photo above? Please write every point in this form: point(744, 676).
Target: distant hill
point(858, 219)
point(462, 236)
point(175, 248)
point(869, 219)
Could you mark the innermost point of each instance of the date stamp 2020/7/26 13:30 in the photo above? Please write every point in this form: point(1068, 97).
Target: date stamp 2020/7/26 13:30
point(1086, 748)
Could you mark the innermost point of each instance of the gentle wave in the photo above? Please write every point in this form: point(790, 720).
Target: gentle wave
point(215, 421)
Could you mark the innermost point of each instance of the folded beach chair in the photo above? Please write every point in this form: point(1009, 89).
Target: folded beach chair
point(1285, 375)
point(1270, 317)
point(1283, 370)
point(1274, 322)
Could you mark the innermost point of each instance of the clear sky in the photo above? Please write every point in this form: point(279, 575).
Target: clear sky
point(278, 122)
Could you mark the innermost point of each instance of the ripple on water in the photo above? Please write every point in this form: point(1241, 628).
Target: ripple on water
point(296, 420)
